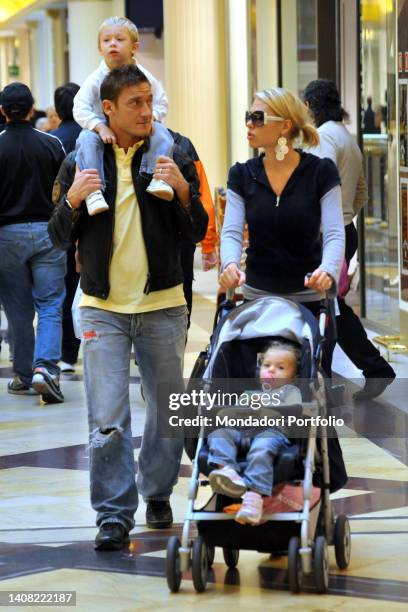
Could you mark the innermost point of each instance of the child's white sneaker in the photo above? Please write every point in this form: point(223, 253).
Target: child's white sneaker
point(96, 203)
point(251, 509)
point(227, 482)
point(160, 189)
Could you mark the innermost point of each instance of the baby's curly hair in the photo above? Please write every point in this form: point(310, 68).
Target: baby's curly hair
point(283, 344)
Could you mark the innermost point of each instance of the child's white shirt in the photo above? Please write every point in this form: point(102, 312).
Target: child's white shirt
point(88, 106)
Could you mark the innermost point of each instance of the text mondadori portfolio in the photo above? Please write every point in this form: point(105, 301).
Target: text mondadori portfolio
point(254, 421)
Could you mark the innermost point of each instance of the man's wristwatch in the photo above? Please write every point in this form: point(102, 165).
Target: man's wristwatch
point(68, 204)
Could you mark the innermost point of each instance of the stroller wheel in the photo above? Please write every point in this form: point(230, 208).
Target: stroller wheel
point(231, 556)
point(321, 564)
point(173, 573)
point(199, 565)
point(210, 555)
point(295, 570)
point(342, 541)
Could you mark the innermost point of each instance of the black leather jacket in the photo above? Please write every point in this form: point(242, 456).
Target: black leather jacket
point(164, 225)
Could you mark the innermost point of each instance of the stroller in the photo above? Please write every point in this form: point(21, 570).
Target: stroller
point(313, 463)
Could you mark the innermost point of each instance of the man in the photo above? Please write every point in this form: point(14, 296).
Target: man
point(369, 119)
point(68, 131)
point(31, 270)
point(133, 285)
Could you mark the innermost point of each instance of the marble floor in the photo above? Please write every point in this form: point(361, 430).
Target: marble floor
point(47, 525)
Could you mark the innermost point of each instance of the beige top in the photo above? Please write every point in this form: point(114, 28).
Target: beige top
point(338, 144)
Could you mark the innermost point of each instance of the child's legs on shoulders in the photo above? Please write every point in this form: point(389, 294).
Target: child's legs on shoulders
point(161, 143)
point(89, 153)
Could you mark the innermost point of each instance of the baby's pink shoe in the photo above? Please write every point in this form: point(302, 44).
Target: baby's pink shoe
point(251, 509)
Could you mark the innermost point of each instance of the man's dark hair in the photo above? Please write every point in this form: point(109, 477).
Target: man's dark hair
point(15, 114)
point(120, 78)
point(16, 100)
point(324, 101)
point(64, 100)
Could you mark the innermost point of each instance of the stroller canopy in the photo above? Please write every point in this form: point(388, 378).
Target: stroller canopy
point(268, 316)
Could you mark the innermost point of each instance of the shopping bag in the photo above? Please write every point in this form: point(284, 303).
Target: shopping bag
point(76, 314)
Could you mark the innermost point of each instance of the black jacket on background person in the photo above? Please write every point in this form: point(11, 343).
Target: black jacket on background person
point(29, 163)
point(68, 132)
point(164, 225)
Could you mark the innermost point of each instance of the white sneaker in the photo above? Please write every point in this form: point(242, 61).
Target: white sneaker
point(66, 367)
point(47, 385)
point(160, 189)
point(251, 509)
point(96, 203)
point(227, 482)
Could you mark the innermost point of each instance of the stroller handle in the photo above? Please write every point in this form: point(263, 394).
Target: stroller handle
point(230, 294)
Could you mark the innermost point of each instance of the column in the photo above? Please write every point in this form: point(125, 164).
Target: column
point(23, 44)
point(84, 20)
point(59, 48)
point(240, 86)
point(119, 8)
point(8, 57)
point(267, 44)
point(42, 60)
point(194, 53)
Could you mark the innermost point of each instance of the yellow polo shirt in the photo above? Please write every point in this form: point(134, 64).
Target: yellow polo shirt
point(129, 265)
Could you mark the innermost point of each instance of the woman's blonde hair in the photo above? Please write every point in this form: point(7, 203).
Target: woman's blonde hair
point(123, 23)
point(285, 104)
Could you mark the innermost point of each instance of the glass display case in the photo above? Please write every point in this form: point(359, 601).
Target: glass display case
point(380, 149)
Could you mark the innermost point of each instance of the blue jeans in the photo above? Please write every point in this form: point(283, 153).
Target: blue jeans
point(159, 340)
point(265, 446)
point(32, 275)
point(90, 147)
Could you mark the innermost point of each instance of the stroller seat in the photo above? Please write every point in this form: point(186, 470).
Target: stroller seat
point(234, 367)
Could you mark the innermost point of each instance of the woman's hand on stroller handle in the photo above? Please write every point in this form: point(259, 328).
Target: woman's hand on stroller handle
point(232, 277)
point(319, 280)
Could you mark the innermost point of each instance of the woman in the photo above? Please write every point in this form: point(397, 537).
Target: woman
point(291, 201)
point(336, 143)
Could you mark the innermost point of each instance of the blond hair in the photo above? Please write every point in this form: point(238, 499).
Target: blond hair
point(287, 105)
point(123, 22)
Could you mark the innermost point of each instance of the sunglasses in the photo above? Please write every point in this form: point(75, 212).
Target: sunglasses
point(259, 118)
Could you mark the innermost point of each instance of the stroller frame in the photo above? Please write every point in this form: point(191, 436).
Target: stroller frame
point(309, 555)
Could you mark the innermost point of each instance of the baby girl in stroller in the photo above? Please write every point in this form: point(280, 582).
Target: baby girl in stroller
point(278, 368)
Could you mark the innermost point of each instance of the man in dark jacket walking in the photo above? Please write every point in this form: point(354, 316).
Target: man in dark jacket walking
point(132, 281)
point(68, 131)
point(31, 270)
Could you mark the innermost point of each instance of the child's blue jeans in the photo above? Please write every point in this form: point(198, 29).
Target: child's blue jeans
point(265, 446)
point(90, 146)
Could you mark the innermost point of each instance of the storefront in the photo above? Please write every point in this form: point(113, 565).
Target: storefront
point(379, 130)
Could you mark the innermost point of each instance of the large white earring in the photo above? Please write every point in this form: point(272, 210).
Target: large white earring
point(281, 148)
